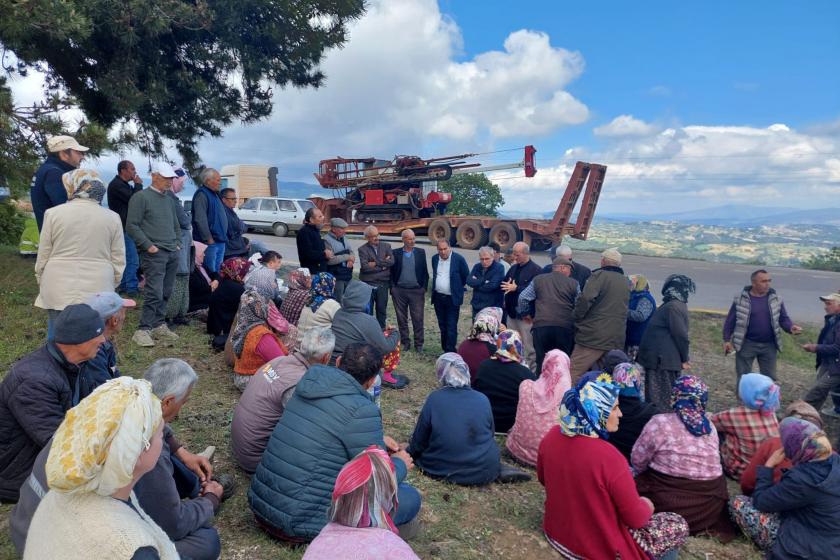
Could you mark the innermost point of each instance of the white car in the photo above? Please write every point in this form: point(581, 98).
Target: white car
point(280, 215)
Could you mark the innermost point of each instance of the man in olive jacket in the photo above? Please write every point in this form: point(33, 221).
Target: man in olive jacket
point(600, 314)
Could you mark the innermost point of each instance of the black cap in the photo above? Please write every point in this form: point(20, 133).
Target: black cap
point(78, 323)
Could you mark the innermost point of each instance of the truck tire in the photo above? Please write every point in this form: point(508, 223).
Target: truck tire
point(505, 234)
point(439, 230)
point(280, 230)
point(470, 235)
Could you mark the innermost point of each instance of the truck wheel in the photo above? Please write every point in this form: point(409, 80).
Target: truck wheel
point(541, 244)
point(504, 234)
point(280, 230)
point(439, 230)
point(470, 235)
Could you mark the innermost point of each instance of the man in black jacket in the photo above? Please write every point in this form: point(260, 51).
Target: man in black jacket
point(827, 350)
point(312, 252)
point(516, 280)
point(120, 192)
point(409, 279)
point(38, 391)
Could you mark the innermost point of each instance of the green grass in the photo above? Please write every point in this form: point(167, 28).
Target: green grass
point(497, 521)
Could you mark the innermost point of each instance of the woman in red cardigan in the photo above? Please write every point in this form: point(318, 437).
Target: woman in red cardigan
point(592, 509)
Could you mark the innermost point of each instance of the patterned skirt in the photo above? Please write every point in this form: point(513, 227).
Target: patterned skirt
point(391, 360)
point(179, 301)
point(759, 526)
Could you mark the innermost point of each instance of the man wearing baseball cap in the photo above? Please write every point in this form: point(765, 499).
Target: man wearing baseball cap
point(111, 308)
point(827, 350)
point(152, 223)
point(40, 388)
point(341, 263)
point(46, 189)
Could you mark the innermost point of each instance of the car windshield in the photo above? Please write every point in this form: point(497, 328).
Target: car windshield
point(305, 205)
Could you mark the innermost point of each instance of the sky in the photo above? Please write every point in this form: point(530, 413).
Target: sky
point(690, 105)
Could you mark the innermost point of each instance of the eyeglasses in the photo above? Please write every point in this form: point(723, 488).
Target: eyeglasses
point(229, 198)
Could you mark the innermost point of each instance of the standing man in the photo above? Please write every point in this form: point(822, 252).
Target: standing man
point(46, 189)
point(120, 192)
point(341, 263)
point(497, 256)
point(449, 276)
point(376, 260)
point(516, 280)
point(600, 314)
point(209, 220)
point(486, 281)
point(236, 245)
point(554, 298)
point(754, 325)
point(827, 350)
point(153, 225)
point(580, 272)
point(409, 279)
point(312, 251)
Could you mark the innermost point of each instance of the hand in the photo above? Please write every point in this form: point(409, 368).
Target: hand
point(405, 458)
point(328, 253)
point(502, 327)
point(152, 250)
point(387, 257)
point(371, 264)
point(649, 503)
point(795, 329)
point(137, 180)
point(196, 463)
point(210, 242)
point(775, 459)
point(390, 444)
point(508, 287)
point(686, 365)
point(212, 487)
point(809, 347)
point(727, 348)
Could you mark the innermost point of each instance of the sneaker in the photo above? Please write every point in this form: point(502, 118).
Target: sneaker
point(142, 338)
point(508, 474)
point(164, 332)
point(208, 452)
point(228, 485)
point(831, 412)
point(394, 380)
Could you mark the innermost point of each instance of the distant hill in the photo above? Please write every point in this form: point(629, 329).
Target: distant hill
point(735, 215)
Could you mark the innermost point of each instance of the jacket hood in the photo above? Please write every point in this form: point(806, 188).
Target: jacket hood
point(324, 382)
point(824, 475)
point(356, 296)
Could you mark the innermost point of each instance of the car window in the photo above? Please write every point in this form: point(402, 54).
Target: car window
point(224, 183)
point(287, 205)
point(267, 205)
point(250, 205)
point(305, 205)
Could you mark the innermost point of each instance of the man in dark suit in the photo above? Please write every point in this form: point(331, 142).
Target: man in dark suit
point(449, 276)
point(409, 279)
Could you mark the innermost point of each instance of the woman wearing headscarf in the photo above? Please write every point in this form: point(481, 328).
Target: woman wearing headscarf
point(99, 452)
point(179, 302)
point(639, 312)
point(663, 351)
point(744, 427)
point(299, 283)
point(536, 412)
point(481, 343)
point(363, 503)
point(796, 409)
point(454, 437)
point(321, 307)
point(224, 301)
point(635, 412)
point(798, 517)
point(81, 251)
point(262, 276)
point(677, 463)
point(499, 378)
point(259, 335)
point(581, 472)
point(202, 283)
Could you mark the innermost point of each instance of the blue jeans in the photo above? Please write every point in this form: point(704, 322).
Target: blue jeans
point(214, 256)
point(129, 281)
point(409, 507)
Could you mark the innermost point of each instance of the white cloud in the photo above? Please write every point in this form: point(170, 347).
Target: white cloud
point(625, 125)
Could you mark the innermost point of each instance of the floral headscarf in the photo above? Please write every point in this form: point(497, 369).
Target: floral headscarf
point(689, 397)
point(486, 325)
point(803, 441)
point(587, 407)
point(84, 183)
point(452, 370)
point(365, 493)
point(235, 268)
point(628, 378)
point(677, 286)
point(509, 347)
point(254, 310)
point(803, 410)
point(759, 392)
point(300, 279)
point(555, 379)
point(323, 286)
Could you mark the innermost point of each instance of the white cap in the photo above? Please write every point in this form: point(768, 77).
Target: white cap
point(164, 170)
point(61, 143)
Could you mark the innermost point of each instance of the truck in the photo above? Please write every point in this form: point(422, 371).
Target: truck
point(401, 193)
point(250, 180)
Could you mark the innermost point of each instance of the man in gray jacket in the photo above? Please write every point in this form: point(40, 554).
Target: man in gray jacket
point(376, 259)
point(341, 263)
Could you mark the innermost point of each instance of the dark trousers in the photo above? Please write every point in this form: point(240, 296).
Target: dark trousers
point(409, 300)
point(159, 269)
point(447, 318)
point(764, 352)
point(552, 338)
point(379, 300)
point(203, 543)
point(824, 386)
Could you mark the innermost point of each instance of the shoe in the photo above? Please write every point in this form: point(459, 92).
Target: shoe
point(208, 452)
point(163, 332)
point(394, 380)
point(508, 474)
point(411, 529)
point(180, 321)
point(405, 348)
point(142, 338)
point(228, 485)
point(831, 412)
point(419, 349)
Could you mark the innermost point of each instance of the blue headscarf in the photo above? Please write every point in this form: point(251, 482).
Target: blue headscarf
point(587, 406)
point(323, 285)
point(759, 392)
point(689, 397)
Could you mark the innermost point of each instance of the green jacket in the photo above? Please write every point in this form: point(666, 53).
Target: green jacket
point(601, 310)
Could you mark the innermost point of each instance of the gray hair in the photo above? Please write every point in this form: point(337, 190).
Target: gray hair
point(405, 232)
point(487, 251)
point(564, 251)
point(170, 376)
point(523, 246)
point(207, 173)
point(317, 342)
point(370, 230)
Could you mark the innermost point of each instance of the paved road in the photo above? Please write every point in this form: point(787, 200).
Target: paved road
point(717, 283)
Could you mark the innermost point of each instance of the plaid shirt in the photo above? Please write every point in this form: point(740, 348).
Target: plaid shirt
point(742, 430)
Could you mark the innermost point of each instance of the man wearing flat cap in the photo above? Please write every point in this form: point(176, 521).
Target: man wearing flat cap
point(827, 350)
point(39, 390)
point(341, 263)
point(47, 190)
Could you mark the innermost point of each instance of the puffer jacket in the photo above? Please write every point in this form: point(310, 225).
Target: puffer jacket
point(328, 421)
point(34, 397)
point(601, 310)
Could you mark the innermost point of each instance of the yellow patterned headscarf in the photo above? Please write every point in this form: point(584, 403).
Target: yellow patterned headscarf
point(84, 183)
point(97, 445)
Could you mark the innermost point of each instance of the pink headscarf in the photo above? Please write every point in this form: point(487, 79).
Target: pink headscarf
point(178, 182)
point(553, 383)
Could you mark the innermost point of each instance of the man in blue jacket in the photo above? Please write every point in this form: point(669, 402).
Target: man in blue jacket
point(209, 220)
point(329, 420)
point(46, 189)
point(486, 281)
point(449, 276)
